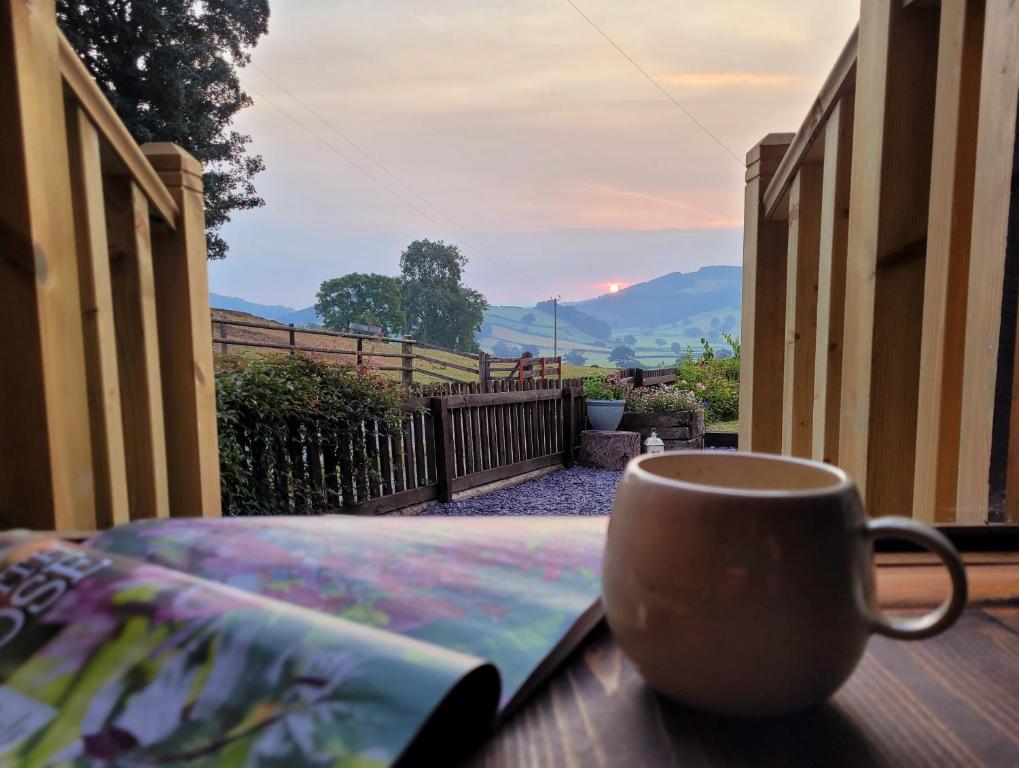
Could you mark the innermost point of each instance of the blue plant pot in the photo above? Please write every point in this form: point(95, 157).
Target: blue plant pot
point(605, 415)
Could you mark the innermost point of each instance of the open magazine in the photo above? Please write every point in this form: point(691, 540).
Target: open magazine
point(326, 641)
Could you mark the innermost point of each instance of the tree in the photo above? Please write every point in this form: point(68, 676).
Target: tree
point(575, 357)
point(169, 68)
point(621, 356)
point(502, 349)
point(527, 319)
point(361, 298)
point(629, 340)
point(676, 348)
point(533, 349)
point(660, 343)
point(439, 308)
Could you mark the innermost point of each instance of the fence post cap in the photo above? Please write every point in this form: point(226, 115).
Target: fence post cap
point(165, 155)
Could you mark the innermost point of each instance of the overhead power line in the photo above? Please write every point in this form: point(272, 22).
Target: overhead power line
point(353, 163)
point(478, 242)
point(655, 83)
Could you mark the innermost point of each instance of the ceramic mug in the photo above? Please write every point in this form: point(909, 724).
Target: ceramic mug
point(743, 584)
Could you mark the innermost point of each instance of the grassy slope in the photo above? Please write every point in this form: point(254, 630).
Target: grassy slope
point(342, 350)
point(507, 326)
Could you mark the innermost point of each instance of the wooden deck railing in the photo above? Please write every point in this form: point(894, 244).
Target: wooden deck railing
point(107, 403)
point(880, 278)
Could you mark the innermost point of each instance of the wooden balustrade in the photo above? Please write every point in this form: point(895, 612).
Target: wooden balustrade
point(879, 300)
point(107, 404)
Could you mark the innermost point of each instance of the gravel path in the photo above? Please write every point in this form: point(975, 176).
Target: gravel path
point(574, 491)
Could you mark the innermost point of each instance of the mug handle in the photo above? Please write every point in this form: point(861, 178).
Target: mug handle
point(942, 617)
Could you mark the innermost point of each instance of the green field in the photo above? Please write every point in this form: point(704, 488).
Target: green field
point(505, 324)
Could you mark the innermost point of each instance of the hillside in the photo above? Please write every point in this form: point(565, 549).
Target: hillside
point(677, 308)
point(276, 312)
point(669, 299)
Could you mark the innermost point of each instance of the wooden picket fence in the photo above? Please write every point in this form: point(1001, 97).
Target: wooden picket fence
point(447, 443)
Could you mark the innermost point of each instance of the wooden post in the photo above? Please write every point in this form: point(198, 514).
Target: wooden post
point(224, 346)
point(407, 362)
point(993, 202)
point(138, 355)
point(947, 273)
point(360, 349)
point(45, 450)
point(484, 368)
point(568, 426)
point(764, 290)
point(185, 339)
point(892, 137)
point(831, 280)
point(444, 459)
point(801, 310)
point(107, 425)
point(293, 340)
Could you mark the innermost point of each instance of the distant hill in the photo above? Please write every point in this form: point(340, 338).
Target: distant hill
point(668, 299)
point(278, 312)
point(677, 308)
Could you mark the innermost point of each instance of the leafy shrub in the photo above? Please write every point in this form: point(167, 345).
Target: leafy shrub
point(661, 399)
point(275, 409)
point(600, 387)
point(713, 380)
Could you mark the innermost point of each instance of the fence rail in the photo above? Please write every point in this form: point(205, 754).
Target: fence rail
point(482, 366)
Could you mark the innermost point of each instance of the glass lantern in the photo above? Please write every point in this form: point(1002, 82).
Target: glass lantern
point(654, 444)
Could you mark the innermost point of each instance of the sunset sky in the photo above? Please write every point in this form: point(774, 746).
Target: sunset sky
point(523, 126)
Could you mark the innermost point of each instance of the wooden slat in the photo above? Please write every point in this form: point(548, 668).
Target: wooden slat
point(831, 280)
point(185, 338)
point(126, 151)
point(45, 452)
point(408, 458)
point(992, 198)
point(496, 474)
point(479, 442)
point(801, 310)
point(841, 80)
point(107, 425)
point(131, 272)
point(947, 272)
point(763, 320)
point(420, 455)
point(892, 135)
point(445, 461)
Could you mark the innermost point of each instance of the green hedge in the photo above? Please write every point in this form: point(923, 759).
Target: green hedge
point(280, 414)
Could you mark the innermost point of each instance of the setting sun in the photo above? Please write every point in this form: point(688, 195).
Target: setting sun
point(614, 288)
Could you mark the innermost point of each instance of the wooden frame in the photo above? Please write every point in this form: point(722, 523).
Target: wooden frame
point(915, 367)
point(104, 285)
point(764, 292)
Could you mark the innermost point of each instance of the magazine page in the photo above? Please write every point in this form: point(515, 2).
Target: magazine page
point(510, 590)
point(108, 661)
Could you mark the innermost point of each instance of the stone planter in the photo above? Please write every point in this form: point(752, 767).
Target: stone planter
point(678, 430)
point(605, 414)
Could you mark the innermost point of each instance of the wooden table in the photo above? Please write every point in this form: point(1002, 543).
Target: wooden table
point(951, 700)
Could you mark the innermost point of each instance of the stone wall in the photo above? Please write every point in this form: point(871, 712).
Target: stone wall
point(677, 430)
